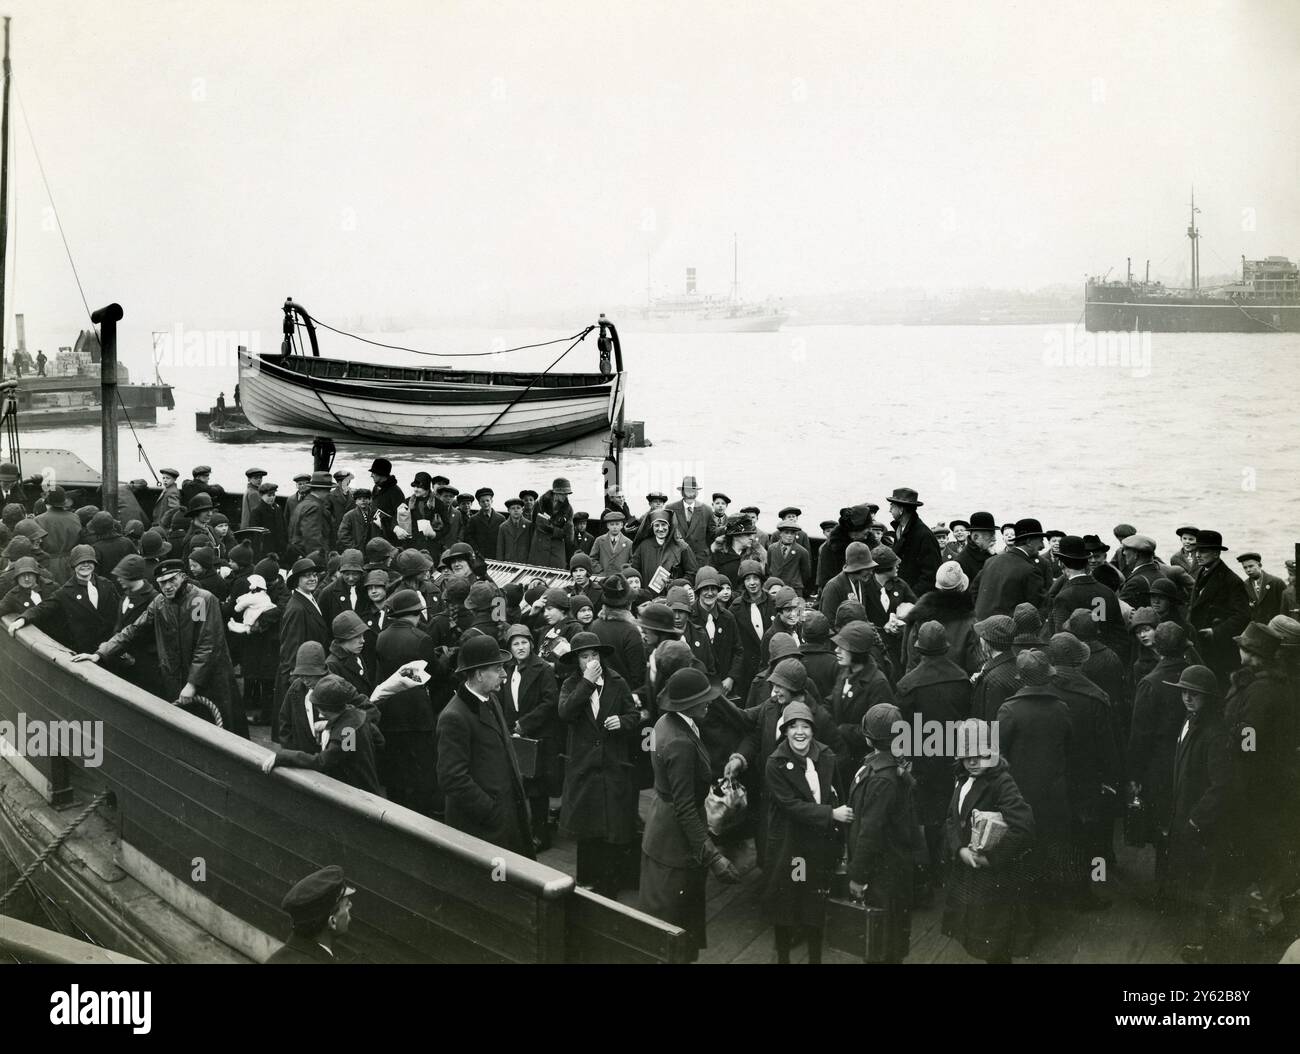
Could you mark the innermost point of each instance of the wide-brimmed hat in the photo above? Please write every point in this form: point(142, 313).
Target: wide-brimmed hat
point(795, 711)
point(29, 529)
point(998, 630)
point(905, 496)
point(740, 525)
point(686, 689)
point(456, 551)
point(480, 651)
point(82, 554)
point(1258, 640)
point(585, 641)
point(707, 578)
point(560, 485)
point(1210, 540)
point(1028, 529)
point(480, 597)
point(404, 602)
point(857, 557)
point(1072, 549)
point(658, 618)
point(857, 637)
point(309, 660)
point(346, 625)
point(1197, 679)
point(789, 674)
point(1093, 544)
point(300, 568)
point(931, 639)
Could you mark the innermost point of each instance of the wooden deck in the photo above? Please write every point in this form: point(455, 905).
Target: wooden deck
point(1127, 932)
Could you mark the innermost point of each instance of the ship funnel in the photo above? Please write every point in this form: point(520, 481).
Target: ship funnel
point(690, 280)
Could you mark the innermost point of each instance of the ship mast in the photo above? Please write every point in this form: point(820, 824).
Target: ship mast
point(735, 267)
point(1193, 236)
point(4, 194)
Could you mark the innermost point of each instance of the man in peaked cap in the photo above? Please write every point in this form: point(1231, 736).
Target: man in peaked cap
point(170, 498)
point(1013, 577)
point(1220, 607)
point(200, 483)
point(1186, 555)
point(1138, 564)
point(718, 521)
point(310, 527)
point(478, 771)
point(252, 495)
point(914, 542)
point(320, 909)
point(514, 534)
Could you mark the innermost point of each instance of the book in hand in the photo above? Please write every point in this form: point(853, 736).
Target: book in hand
point(659, 580)
point(987, 829)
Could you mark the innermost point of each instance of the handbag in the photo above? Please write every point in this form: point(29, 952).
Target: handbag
point(725, 805)
point(1138, 828)
point(856, 929)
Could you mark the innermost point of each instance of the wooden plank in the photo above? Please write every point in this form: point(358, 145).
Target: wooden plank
point(600, 930)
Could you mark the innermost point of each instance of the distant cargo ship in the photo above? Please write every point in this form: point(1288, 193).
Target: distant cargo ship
point(694, 312)
point(69, 392)
point(1265, 300)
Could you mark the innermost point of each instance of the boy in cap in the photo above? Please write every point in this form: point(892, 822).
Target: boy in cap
point(514, 533)
point(270, 517)
point(252, 495)
point(610, 551)
point(170, 498)
point(483, 527)
point(320, 908)
point(357, 526)
point(788, 559)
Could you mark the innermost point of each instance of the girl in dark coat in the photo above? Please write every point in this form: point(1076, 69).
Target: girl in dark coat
point(802, 843)
point(531, 706)
point(984, 888)
point(1202, 806)
point(1158, 716)
point(882, 831)
point(935, 690)
point(600, 795)
point(1034, 736)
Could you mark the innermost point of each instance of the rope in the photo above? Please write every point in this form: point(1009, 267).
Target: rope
point(445, 354)
point(138, 445)
point(577, 339)
point(205, 702)
point(54, 846)
point(58, 221)
point(1257, 321)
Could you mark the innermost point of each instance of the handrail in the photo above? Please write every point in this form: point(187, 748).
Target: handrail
point(539, 879)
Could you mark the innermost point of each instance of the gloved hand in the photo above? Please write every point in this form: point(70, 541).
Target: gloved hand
point(724, 870)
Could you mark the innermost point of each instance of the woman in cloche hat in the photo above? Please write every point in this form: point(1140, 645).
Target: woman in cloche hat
point(599, 807)
point(803, 807)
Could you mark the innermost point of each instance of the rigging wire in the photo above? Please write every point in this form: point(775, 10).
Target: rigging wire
point(445, 354)
point(58, 221)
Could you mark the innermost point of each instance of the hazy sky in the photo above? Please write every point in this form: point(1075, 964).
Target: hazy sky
point(210, 158)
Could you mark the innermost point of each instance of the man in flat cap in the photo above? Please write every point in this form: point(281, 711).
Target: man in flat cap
point(1262, 589)
point(339, 500)
point(252, 495)
point(1138, 563)
point(320, 909)
point(484, 525)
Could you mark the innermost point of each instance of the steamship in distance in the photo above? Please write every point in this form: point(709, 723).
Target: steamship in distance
point(695, 312)
point(1266, 299)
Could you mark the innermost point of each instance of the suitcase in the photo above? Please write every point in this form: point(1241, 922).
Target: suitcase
point(856, 929)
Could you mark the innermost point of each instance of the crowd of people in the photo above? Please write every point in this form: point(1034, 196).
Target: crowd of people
point(1099, 694)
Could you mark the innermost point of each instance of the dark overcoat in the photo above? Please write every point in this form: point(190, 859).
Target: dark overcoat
point(936, 690)
point(801, 841)
point(1010, 578)
point(1219, 604)
point(479, 774)
point(600, 791)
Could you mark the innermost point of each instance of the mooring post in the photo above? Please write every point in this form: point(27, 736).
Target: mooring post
point(107, 319)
